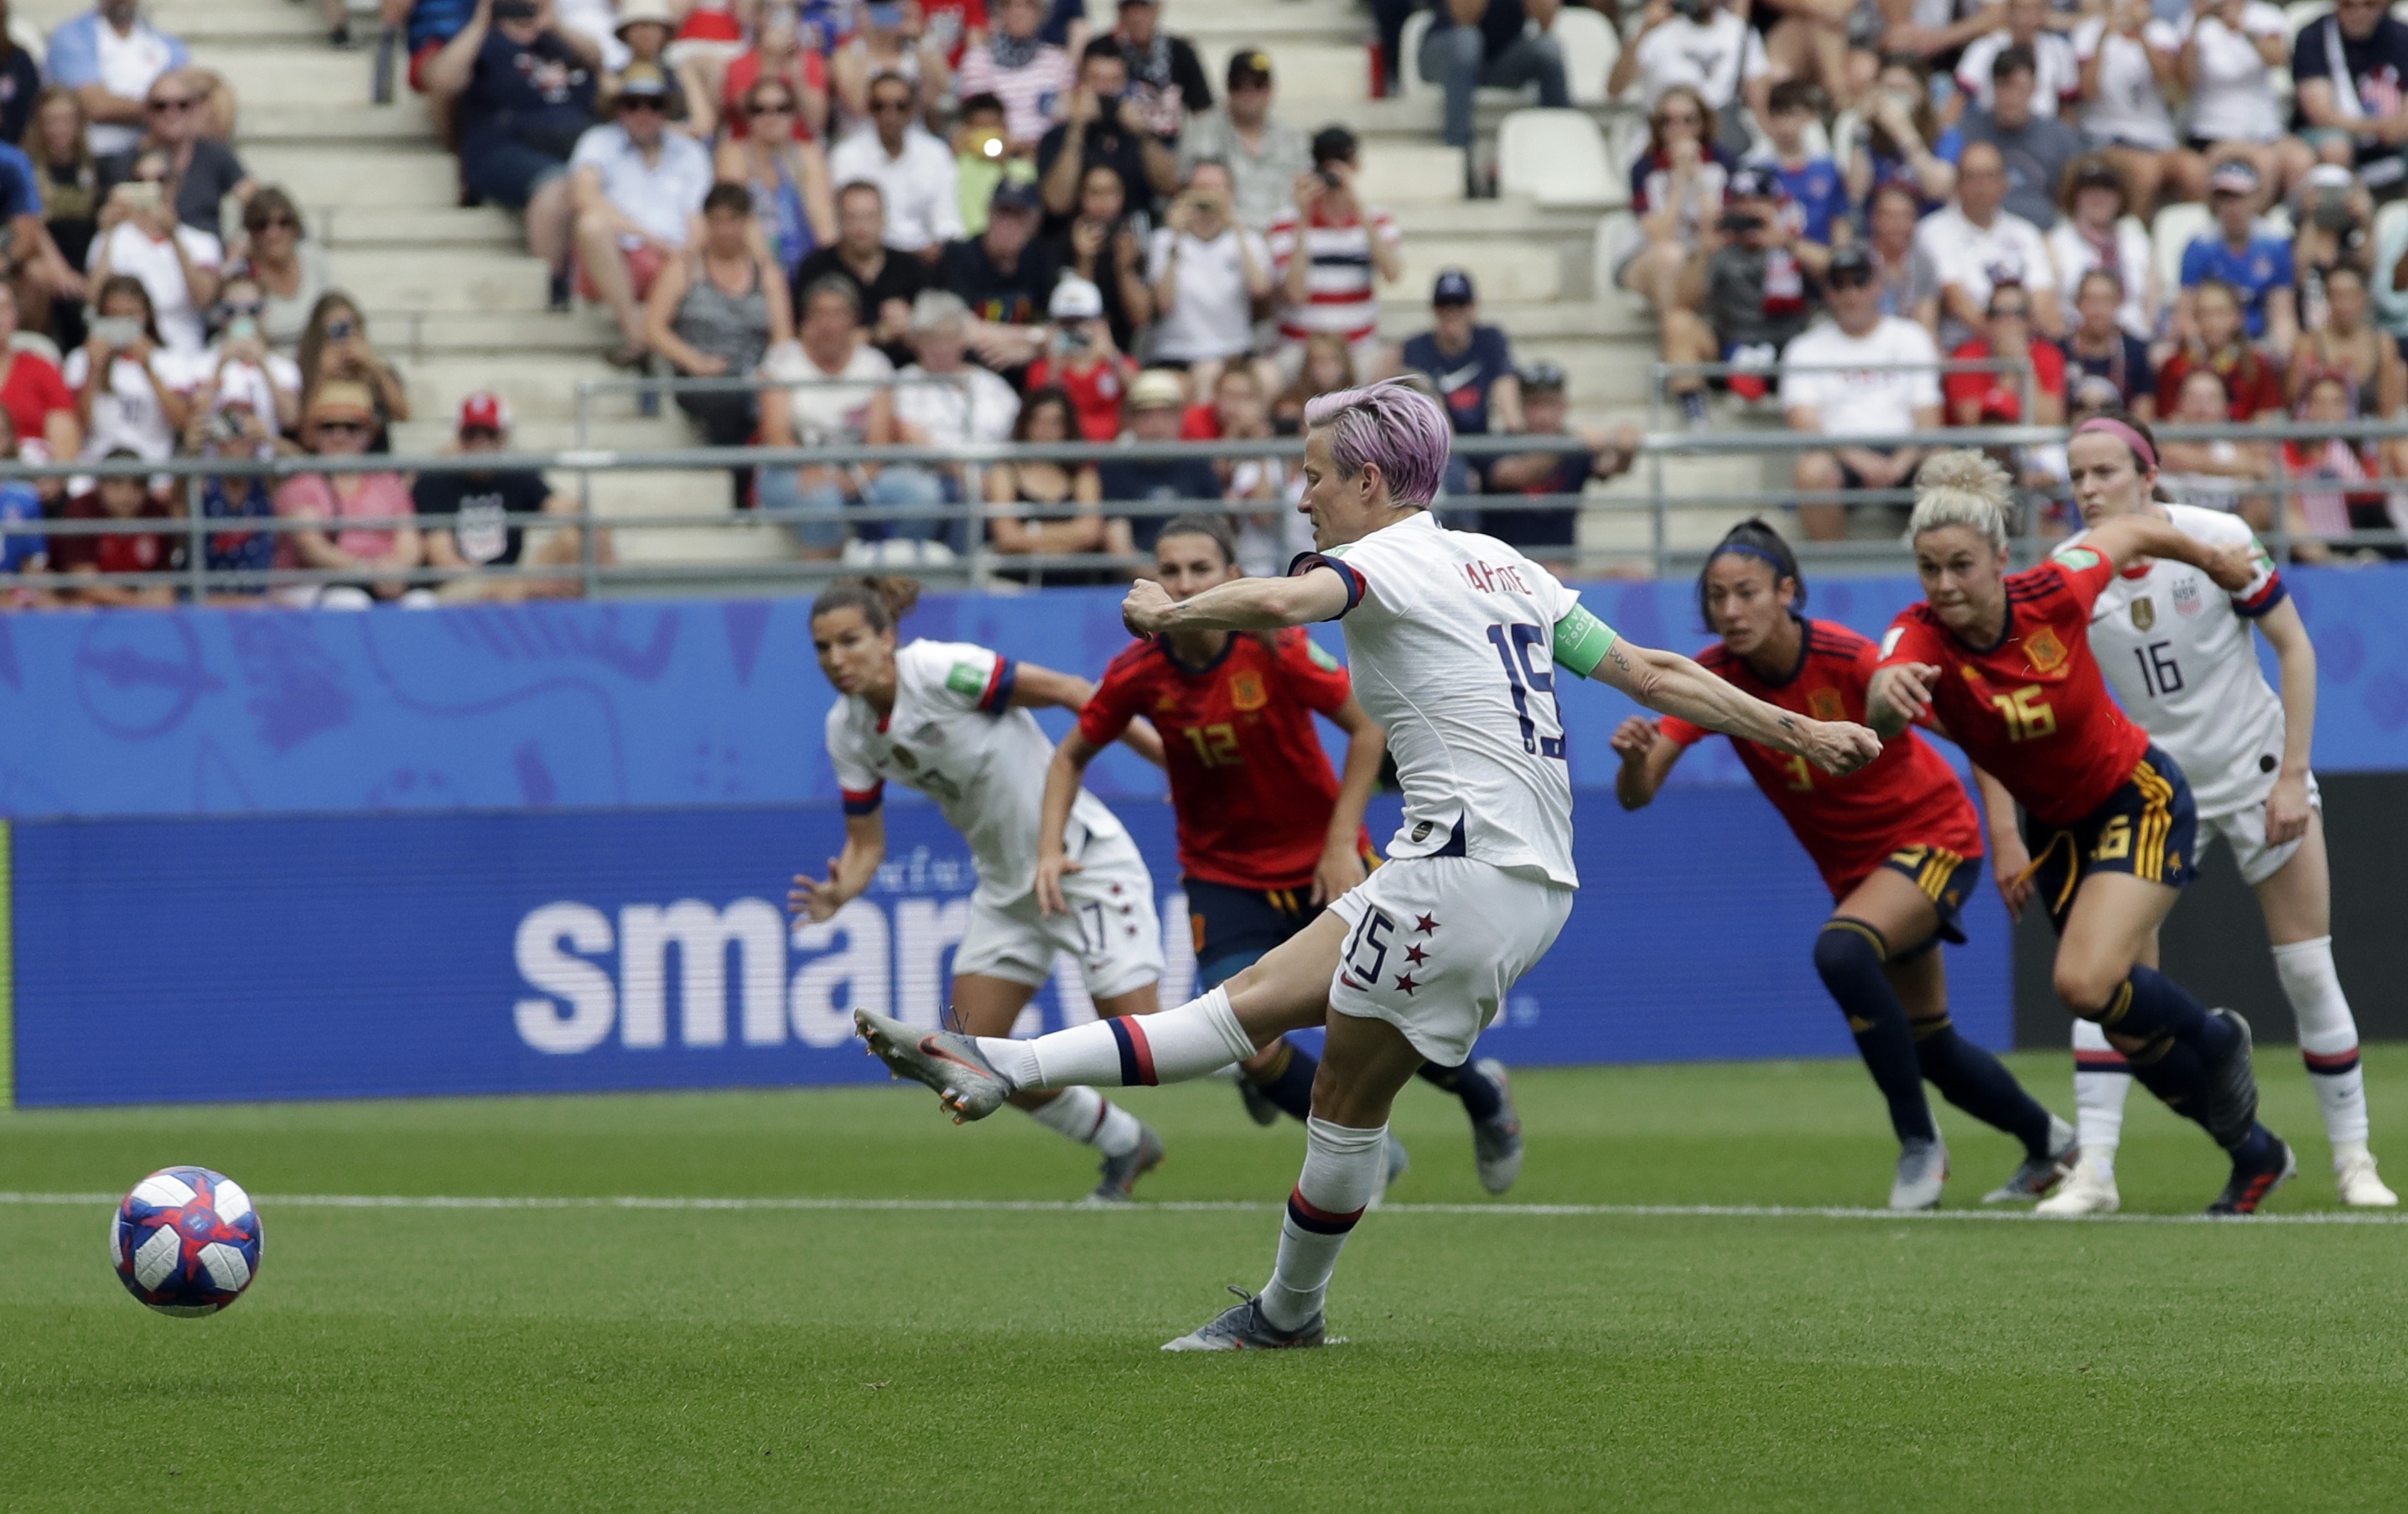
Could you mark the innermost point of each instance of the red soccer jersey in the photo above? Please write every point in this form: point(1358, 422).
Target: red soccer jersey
point(1905, 797)
point(1249, 780)
point(2033, 710)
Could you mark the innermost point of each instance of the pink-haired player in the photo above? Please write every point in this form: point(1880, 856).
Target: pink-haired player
point(1453, 639)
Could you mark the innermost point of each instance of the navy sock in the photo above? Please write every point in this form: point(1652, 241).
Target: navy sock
point(2174, 1073)
point(1849, 955)
point(1289, 1083)
point(2148, 1004)
point(1976, 1082)
point(1481, 1098)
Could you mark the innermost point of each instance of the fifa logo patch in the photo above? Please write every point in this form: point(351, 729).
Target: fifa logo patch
point(1826, 705)
point(2044, 650)
point(1246, 690)
point(2144, 614)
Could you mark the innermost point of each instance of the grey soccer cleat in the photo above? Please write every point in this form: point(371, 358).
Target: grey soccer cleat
point(1241, 1327)
point(1496, 1141)
point(1922, 1168)
point(1259, 1107)
point(950, 1063)
point(2232, 1085)
point(1118, 1184)
point(2039, 1174)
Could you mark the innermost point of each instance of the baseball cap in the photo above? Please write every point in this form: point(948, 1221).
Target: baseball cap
point(1453, 286)
point(1333, 144)
point(1155, 388)
point(2232, 177)
point(1541, 376)
point(1075, 299)
point(643, 80)
point(485, 411)
point(1015, 194)
point(1248, 68)
point(1752, 183)
point(2330, 175)
point(1848, 265)
point(642, 13)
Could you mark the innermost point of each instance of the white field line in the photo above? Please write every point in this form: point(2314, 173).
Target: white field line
point(1543, 1211)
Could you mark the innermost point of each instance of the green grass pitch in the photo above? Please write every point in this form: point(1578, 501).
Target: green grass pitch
point(602, 1357)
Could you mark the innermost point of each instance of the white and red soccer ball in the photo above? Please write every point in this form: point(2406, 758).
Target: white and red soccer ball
point(185, 1241)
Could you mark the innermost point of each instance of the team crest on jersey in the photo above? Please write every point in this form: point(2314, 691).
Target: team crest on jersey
point(2187, 600)
point(1246, 690)
point(2144, 614)
point(2044, 650)
point(1826, 705)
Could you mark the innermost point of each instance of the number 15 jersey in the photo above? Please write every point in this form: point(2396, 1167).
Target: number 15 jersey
point(2031, 710)
point(1450, 639)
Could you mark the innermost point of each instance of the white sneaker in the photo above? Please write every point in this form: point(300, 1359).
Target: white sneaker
point(2089, 1189)
point(2353, 1176)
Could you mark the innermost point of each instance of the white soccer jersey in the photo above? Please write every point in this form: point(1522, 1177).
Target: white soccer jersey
point(1450, 639)
point(2179, 652)
point(955, 737)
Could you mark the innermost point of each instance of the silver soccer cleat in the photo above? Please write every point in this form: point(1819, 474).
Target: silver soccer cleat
point(945, 1062)
point(1496, 1141)
point(1118, 1184)
point(1241, 1327)
point(2036, 1177)
point(1922, 1168)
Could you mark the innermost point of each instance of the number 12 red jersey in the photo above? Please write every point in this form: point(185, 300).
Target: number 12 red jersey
point(1907, 796)
point(1249, 778)
point(2033, 710)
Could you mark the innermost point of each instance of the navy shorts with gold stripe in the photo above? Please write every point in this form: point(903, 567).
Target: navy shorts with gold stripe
point(1234, 926)
point(1946, 879)
point(2148, 828)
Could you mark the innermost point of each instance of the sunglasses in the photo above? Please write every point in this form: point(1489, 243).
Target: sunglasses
point(777, 107)
point(347, 428)
point(884, 107)
point(2011, 312)
point(245, 308)
point(173, 103)
point(644, 102)
point(274, 223)
point(1857, 278)
point(1682, 117)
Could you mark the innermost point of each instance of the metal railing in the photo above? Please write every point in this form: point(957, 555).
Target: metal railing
point(968, 520)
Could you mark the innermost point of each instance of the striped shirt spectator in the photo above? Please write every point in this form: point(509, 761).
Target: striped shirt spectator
point(1030, 77)
point(1347, 248)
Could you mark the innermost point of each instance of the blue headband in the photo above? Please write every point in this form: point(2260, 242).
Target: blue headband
point(1780, 570)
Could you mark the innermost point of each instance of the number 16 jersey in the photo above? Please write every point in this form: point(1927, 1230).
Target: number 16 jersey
point(1451, 638)
point(2031, 710)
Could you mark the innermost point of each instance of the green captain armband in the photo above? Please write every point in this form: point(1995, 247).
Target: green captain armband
point(1582, 640)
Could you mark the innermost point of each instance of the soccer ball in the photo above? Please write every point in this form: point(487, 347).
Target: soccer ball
point(185, 1241)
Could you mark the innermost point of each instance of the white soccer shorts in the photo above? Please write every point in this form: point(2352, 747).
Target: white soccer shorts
point(2244, 830)
point(1433, 944)
point(1111, 928)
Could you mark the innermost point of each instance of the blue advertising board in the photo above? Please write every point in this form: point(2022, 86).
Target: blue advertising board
point(281, 957)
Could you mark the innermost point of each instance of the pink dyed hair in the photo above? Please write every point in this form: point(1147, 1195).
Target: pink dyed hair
point(1391, 425)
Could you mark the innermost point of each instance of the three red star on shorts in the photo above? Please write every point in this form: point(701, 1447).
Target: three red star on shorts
point(1424, 924)
point(1405, 981)
point(1415, 955)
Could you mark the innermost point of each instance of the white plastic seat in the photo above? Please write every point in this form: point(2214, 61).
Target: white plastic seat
point(1590, 49)
point(1617, 233)
point(1556, 157)
point(1409, 56)
point(2176, 225)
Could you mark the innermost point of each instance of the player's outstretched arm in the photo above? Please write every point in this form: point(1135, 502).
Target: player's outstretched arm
point(1672, 684)
point(1647, 759)
point(2126, 538)
point(1898, 695)
point(2010, 859)
point(1243, 605)
point(1041, 688)
point(848, 871)
point(1063, 775)
point(2287, 807)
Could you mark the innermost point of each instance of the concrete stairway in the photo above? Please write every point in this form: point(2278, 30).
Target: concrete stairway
point(452, 297)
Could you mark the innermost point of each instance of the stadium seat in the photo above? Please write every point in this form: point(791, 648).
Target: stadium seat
point(1617, 231)
point(1590, 50)
point(2387, 220)
point(1556, 157)
point(1845, 128)
point(2175, 226)
point(1408, 54)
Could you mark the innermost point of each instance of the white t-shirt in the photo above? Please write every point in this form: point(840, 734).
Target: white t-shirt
point(239, 383)
point(922, 187)
point(2234, 99)
point(973, 406)
point(2131, 105)
point(2074, 258)
point(2056, 74)
point(129, 66)
point(1213, 316)
point(126, 412)
point(1867, 401)
point(131, 252)
point(827, 411)
point(662, 195)
point(2177, 650)
point(1715, 59)
point(1451, 638)
point(1974, 259)
point(954, 735)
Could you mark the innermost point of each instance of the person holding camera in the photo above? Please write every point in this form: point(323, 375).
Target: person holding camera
point(227, 421)
point(1331, 253)
point(239, 367)
point(140, 235)
point(204, 171)
point(334, 349)
point(1104, 245)
point(1082, 360)
point(1020, 68)
point(1261, 153)
point(1208, 276)
point(127, 395)
point(1096, 132)
point(1759, 297)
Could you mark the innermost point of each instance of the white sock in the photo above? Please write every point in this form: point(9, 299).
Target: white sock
point(1090, 1120)
point(2102, 1082)
point(1342, 1175)
point(1201, 1037)
point(2328, 1037)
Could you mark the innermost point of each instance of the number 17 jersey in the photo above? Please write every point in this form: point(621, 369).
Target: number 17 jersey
point(1449, 636)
